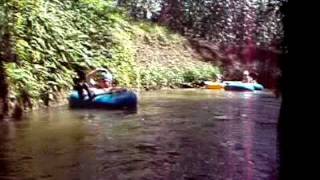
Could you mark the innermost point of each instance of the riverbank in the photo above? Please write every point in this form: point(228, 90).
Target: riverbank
point(49, 40)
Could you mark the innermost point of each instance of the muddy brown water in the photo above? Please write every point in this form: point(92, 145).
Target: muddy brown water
point(174, 134)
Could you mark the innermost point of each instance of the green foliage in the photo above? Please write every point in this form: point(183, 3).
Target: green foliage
point(165, 62)
point(157, 34)
point(54, 37)
point(231, 22)
point(157, 77)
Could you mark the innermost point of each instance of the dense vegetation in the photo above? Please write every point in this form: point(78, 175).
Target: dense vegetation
point(224, 22)
point(44, 41)
point(239, 34)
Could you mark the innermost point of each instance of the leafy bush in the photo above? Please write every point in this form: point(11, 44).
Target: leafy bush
point(52, 38)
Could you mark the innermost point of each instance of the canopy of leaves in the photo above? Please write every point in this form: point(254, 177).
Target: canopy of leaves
point(220, 21)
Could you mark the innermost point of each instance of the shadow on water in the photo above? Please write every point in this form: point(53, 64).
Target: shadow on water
point(181, 134)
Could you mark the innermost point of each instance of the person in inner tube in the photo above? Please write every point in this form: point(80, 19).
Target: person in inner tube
point(247, 78)
point(103, 80)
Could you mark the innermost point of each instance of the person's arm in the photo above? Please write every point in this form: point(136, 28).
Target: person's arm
point(94, 72)
point(118, 89)
point(90, 75)
point(102, 70)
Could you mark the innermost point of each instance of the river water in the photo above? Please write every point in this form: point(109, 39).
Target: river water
point(173, 135)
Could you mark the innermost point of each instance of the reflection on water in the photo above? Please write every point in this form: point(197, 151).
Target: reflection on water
point(181, 134)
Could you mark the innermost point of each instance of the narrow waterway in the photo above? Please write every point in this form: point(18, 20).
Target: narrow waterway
point(175, 134)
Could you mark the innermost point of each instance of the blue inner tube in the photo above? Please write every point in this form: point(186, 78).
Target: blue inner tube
point(258, 87)
point(127, 99)
point(239, 86)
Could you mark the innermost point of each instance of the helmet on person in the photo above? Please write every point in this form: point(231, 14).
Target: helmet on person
point(105, 76)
